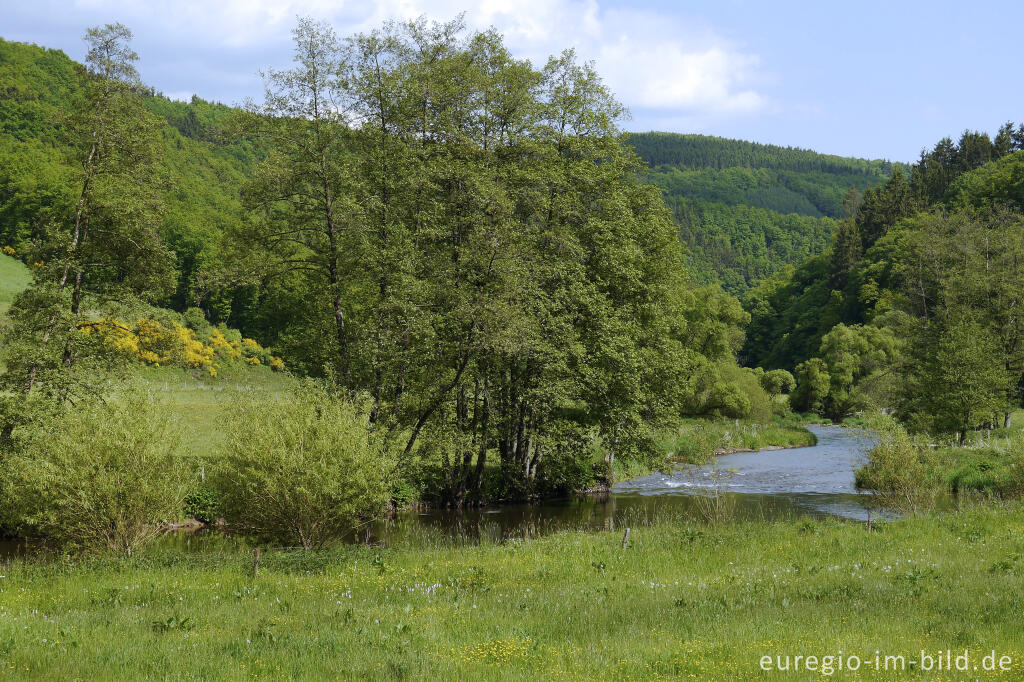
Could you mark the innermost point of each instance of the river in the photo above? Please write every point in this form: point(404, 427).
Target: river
point(769, 484)
point(813, 481)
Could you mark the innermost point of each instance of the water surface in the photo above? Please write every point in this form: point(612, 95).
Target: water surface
point(769, 484)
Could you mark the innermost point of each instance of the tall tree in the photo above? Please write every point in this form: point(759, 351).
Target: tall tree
point(109, 246)
point(509, 288)
point(303, 212)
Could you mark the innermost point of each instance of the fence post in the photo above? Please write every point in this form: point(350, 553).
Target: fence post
point(625, 539)
point(255, 562)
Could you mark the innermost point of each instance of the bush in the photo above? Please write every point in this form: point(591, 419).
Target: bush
point(101, 476)
point(897, 471)
point(302, 471)
point(202, 504)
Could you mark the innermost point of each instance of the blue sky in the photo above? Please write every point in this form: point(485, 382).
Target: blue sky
point(874, 79)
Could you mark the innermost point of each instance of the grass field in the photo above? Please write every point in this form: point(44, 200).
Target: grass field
point(14, 277)
point(196, 404)
point(682, 601)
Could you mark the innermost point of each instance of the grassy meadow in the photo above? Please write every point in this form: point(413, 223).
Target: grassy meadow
point(682, 601)
point(14, 277)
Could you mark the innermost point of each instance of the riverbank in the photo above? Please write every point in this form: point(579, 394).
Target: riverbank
point(681, 600)
point(697, 441)
point(915, 470)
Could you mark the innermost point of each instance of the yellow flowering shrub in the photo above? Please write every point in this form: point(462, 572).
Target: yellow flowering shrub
point(153, 343)
point(227, 349)
point(9, 250)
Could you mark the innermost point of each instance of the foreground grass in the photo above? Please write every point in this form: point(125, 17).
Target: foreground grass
point(681, 601)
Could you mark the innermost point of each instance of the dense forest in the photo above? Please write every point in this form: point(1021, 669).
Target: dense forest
point(746, 210)
point(914, 305)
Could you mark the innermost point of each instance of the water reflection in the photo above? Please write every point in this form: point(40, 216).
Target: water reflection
point(775, 484)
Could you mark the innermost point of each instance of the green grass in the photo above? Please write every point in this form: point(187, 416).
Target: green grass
point(14, 277)
point(698, 440)
point(196, 404)
point(682, 601)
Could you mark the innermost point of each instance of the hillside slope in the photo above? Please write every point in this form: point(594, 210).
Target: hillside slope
point(202, 171)
point(746, 210)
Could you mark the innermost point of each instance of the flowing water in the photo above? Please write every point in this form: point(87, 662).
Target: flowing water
point(769, 484)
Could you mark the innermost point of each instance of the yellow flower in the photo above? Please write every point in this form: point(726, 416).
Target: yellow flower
point(9, 250)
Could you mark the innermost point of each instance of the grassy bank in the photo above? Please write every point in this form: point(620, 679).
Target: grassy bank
point(681, 601)
point(696, 441)
point(990, 463)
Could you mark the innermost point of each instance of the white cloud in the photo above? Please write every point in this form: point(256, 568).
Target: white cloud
point(650, 59)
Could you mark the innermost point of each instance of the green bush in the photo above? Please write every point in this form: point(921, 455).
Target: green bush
point(898, 472)
point(302, 471)
point(100, 476)
point(195, 319)
point(202, 504)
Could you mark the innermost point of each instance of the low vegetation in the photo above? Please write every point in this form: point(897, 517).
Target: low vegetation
point(102, 476)
point(697, 441)
point(681, 601)
point(303, 471)
point(911, 472)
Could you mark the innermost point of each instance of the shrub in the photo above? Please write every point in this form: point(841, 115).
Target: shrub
point(195, 319)
point(897, 471)
point(302, 471)
point(100, 476)
point(202, 504)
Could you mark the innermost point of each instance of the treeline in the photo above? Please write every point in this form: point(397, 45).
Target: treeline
point(454, 242)
point(703, 151)
point(796, 194)
point(913, 306)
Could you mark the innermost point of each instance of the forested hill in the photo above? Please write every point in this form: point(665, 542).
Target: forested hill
point(704, 151)
point(745, 209)
point(201, 172)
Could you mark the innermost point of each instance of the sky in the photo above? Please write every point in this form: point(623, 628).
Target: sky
point(869, 79)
